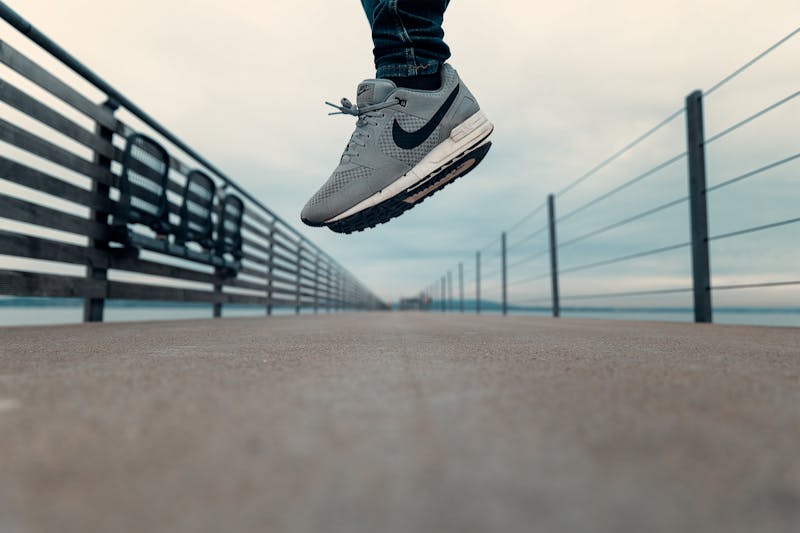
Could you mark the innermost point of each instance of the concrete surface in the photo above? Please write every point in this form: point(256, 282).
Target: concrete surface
point(399, 423)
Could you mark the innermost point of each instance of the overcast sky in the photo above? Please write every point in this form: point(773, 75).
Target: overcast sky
point(566, 84)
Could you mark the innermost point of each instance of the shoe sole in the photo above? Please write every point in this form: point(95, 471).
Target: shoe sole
point(457, 156)
point(394, 207)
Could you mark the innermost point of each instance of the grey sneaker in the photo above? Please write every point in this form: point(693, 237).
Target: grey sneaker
point(407, 145)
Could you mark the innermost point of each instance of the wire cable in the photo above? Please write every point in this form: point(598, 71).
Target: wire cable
point(750, 63)
point(626, 294)
point(625, 258)
point(751, 118)
point(754, 285)
point(528, 280)
point(492, 243)
point(596, 296)
point(529, 258)
point(754, 229)
point(529, 237)
point(752, 173)
point(623, 186)
point(490, 272)
point(621, 152)
point(527, 217)
point(534, 300)
point(628, 220)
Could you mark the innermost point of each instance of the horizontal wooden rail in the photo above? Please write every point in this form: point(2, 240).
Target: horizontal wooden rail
point(68, 162)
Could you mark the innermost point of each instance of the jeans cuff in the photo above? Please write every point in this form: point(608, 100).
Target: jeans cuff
point(405, 70)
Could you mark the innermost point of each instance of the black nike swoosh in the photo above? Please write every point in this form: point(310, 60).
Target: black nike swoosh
point(410, 140)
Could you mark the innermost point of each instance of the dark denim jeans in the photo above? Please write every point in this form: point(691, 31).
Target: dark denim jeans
point(408, 36)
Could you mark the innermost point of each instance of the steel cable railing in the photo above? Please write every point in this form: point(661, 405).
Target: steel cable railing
point(623, 222)
point(627, 148)
point(623, 186)
point(529, 237)
point(523, 263)
point(754, 229)
point(528, 259)
point(527, 217)
point(753, 173)
point(727, 79)
point(531, 279)
point(613, 295)
point(751, 118)
point(755, 285)
point(624, 258)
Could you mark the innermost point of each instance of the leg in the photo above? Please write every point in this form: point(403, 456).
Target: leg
point(418, 126)
point(408, 36)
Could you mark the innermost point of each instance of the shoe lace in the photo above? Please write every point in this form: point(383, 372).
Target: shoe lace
point(367, 116)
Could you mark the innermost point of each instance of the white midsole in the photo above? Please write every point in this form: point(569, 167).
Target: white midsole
point(471, 131)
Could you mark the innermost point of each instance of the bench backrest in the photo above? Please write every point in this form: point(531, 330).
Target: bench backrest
point(143, 185)
point(229, 229)
point(196, 224)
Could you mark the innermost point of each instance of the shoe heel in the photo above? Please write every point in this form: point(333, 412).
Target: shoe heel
point(478, 124)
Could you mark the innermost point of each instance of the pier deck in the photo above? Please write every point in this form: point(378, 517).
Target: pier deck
point(399, 423)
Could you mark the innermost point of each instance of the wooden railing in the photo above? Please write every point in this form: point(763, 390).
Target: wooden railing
point(58, 141)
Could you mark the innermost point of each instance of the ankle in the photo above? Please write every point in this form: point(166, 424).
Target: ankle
point(421, 82)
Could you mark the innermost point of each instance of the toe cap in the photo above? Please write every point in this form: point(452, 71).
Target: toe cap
point(314, 214)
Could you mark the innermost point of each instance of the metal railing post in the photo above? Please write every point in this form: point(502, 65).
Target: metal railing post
point(449, 290)
point(504, 280)
point(461, 287)
point(316, 283)
point(443, 294)
point(217, 311)
point(328, 283)
point(93, 307)
point(270, 269)
point(477, 283)
point(342, 291)
point(698, 207)
point(554, 289)
point(299, 258)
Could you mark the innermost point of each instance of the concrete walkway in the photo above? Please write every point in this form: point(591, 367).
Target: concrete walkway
point(399, 423)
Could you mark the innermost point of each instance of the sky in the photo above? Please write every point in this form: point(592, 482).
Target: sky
point(565, 83)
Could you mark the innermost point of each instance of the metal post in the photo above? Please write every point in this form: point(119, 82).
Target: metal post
point(340, 290)
point(316, 283)
point(328, 283)
point(477, 283)
point(335, 288)
point(551, 211)
point(343, 291)
point(504, 274)
point(217, 312)
point(449, 290)
point(93, 307)
point(297, 286)
point(443, 295)
point(332, 288)
point(270, 269)
point(698, 207)
point(461, 287)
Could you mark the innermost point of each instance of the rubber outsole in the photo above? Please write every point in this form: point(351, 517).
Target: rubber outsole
point(413, 196)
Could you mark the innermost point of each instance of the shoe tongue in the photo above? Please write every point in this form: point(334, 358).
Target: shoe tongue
point(374, 91)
